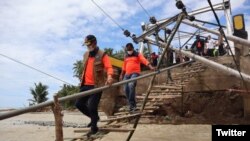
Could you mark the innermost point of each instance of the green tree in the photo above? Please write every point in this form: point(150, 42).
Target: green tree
point(78, 68)
point(119, 54)
point(39, 93)
point(65, 91)
point(109, 51)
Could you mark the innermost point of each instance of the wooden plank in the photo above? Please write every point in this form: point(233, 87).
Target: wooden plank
point(159, 97)
point(148, 111)
point(151, 104)
point(148, 116)
point(151, 108)
point(121, 113)
point(152, 100)
point(166, 87)
point(148, 106)
point(105, 129)
point(122, 117)
point(186, 73)
point(166, 91)
point(75, 138)
point(157, 94)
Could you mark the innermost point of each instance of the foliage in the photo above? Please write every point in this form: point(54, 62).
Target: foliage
point(109, 51)
point(65, 91)
point(39, 93)
point(78, 68)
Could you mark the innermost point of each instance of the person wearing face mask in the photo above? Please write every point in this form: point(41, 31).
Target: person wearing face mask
point(95, 61)
point(131, 69)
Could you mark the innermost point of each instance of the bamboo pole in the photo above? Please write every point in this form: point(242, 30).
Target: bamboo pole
point(105, 129)
point(208, 62)
point(57, 110)
point(230, 37)
point(237, 90)
point(178, 22)
point(163, 23)
point(83, 94)
point(122, 117)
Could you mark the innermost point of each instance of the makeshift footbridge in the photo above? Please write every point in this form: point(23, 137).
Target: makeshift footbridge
point(150, 101)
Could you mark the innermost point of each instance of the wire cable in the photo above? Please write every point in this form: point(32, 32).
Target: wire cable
point(143, 8)
point(223, 34)
point(147, 13)
point(208, 23)
point(108, 15)
point(12, 59)
point(198, 30)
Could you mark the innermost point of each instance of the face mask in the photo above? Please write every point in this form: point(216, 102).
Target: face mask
point(130, 52)
point(90, 48)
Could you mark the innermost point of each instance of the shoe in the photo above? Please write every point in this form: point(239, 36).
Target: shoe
point(92, 131)
point(133, 110)
point(89, 125)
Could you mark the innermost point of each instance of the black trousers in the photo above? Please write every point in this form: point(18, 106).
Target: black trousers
point(89, 105)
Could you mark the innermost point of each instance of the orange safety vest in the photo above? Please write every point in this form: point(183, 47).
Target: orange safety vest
point(98, 68)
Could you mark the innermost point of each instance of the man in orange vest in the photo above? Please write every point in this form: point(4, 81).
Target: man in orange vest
point(95, 61)
point(131, 69)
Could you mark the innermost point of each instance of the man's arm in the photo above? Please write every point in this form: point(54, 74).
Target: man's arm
point(145, 61)
point(123, 70)
point(194, 44)
point(108, 68)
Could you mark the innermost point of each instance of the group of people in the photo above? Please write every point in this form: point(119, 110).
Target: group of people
point(208, 46)
point(95, 61)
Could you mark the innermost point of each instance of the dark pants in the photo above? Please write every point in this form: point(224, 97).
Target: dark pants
point(155, 61)
point(210, 52)
point(89, 105)
point(200, 51)
point(169, 77)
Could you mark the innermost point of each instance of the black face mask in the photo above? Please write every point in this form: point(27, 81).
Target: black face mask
point(94, 52)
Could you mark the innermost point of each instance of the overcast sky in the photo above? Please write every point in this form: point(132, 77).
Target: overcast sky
point(47, 34)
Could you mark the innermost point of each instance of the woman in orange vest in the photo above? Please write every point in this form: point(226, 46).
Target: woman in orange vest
point(131, 69)
point(94, 62)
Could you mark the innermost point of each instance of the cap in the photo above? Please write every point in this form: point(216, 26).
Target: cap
point(197, 36)
point(89, 40)
point(129, 46)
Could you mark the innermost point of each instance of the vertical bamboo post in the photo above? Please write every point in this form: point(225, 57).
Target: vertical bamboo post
point(56, 108)
point(182, 101)
point(170, 37)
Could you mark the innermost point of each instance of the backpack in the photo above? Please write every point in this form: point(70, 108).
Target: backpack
point(198, 44)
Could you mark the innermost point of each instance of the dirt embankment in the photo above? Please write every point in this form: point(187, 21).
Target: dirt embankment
point(205, 108)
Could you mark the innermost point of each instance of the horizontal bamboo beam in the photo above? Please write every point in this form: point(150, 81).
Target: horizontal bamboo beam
point(166, 87)
point(122, 117)
point(160, 97)
point(208, 62)
point(230, 37)
point(105, 129)
point(83, 94)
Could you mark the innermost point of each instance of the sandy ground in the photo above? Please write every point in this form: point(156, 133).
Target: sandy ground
point(14, 129)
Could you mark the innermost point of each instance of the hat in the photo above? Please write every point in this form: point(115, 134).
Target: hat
point(197, 36)
point(129, 46)
point(89, 40)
